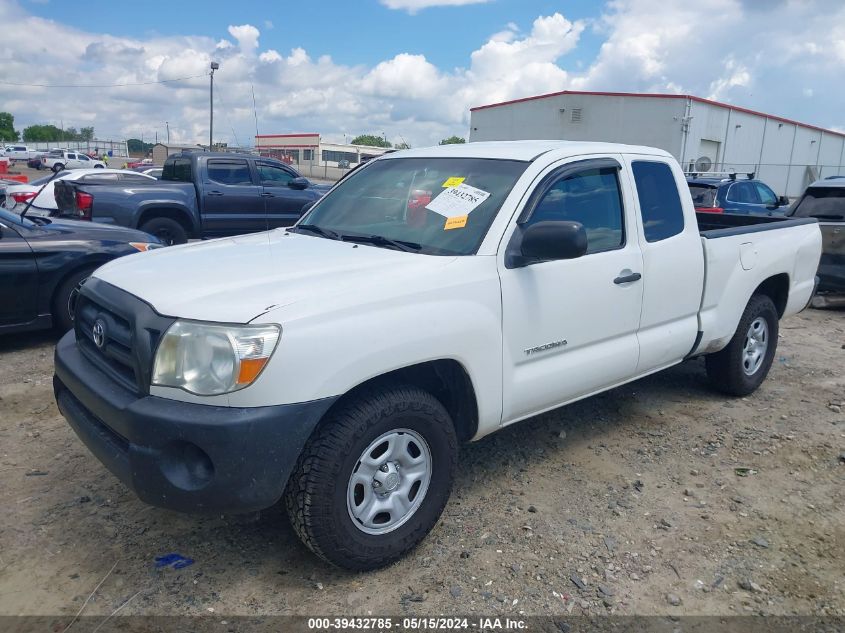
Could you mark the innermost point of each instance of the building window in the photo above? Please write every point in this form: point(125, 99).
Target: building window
point(335, 156)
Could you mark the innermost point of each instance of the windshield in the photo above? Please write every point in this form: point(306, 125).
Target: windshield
point(822, 202)
point(438, 206)
point(703, 196)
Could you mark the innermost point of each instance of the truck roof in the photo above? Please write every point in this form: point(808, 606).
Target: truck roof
point(832, 182)
point(522, 150)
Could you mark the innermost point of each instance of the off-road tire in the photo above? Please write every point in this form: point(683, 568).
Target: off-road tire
point(169, 231)
point(316, 495)
point(63, 300)
point(725, 367)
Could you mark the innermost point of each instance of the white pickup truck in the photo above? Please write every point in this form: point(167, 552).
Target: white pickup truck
point(59, 159)
point(433, 296)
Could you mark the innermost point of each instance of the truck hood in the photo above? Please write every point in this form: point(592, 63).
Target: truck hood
point(239, 278)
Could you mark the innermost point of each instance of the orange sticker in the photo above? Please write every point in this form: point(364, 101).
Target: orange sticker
point(456, 223)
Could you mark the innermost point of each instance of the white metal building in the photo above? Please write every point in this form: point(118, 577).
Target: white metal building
point(310, 149)
point(786, 154)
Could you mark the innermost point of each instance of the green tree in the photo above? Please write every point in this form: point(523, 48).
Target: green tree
point(402, 145)
point(372, 140)
point(86, 133)
point(43, 133)
point(137, 146)
point(453, 140)
point(7, 127)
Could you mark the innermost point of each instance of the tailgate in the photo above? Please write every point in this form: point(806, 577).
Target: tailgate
point(65, 194)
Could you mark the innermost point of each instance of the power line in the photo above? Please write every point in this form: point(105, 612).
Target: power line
point(140, 83)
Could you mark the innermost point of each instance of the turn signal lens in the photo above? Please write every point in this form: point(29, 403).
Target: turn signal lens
point(144, 246)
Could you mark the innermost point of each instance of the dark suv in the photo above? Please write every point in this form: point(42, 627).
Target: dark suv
point(825, 201)
point(749, 196)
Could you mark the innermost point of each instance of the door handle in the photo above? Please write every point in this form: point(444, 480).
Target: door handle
point(215, 193)
point(266, 195)
point(625, 279)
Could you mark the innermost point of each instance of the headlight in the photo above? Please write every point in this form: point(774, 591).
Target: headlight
point(207, 359)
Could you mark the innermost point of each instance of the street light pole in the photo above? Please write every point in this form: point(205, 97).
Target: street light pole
point(214, 66)
point(167, 125)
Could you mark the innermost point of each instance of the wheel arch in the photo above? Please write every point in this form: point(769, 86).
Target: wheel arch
point(176, 213)
point(446, 379)
point(776, 288)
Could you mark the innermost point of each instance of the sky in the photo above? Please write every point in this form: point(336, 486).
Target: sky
point(406, 69)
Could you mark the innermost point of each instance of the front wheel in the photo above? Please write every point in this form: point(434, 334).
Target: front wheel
point(64, 301)
point(743, 365)
point(374, 478)
point(58, 167)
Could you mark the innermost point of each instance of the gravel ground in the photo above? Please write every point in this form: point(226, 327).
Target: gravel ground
point(659, 497)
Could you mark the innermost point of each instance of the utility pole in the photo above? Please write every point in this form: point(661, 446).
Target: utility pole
point(214, 66)
point(167, 125)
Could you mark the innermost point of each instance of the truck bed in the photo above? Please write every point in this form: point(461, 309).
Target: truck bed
point(716, 225)
point(743, 251)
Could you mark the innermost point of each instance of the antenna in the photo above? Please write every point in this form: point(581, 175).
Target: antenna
point(254, 112)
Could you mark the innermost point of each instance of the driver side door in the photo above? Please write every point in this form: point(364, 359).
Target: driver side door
point(282, 202)
point(570, 326)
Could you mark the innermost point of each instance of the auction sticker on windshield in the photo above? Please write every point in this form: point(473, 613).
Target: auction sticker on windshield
point(457, 201)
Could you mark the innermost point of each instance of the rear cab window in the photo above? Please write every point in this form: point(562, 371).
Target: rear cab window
point(660, 203)
point(177, 170)
point(825, 203)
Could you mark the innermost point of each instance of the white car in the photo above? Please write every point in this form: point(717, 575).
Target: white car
point(44, 203)
point(433, 296)
point(60, 159)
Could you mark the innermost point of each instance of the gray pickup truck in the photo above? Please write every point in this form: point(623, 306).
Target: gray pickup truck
point(199, 195)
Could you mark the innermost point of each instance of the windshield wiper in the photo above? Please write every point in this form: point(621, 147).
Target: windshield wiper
point(313, 228)
point(380, 240)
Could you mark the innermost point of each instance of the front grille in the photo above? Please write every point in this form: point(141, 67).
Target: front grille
point(118, 333)
point(114, 355)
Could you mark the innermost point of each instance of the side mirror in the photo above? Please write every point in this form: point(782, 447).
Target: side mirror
point(783, 201)
point(550, 240)
point(299, 183)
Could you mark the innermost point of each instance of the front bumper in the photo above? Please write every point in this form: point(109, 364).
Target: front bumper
point(179, 455)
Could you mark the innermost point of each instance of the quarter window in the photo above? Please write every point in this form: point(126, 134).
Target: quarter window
point(591, 197)
point(744, 193)
point(229, 172)
point(660, 204)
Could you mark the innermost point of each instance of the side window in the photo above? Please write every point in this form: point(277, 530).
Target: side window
point(743, 192)
point(71, 156)
point(273, 175)
point(83, 157)
point(591, 197)
point(660, 204)
point(229, 172)
point(767, 196)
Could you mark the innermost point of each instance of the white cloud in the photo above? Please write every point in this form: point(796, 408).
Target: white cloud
point(412, 6)
point(247, 36)
point(783, 66)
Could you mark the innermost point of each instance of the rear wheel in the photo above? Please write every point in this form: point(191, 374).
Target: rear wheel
point(169, 231)
point(375, 477)
point(743, 365)
point(64, 301)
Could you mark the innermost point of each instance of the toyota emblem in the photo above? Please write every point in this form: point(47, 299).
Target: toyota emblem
point(99, 333)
